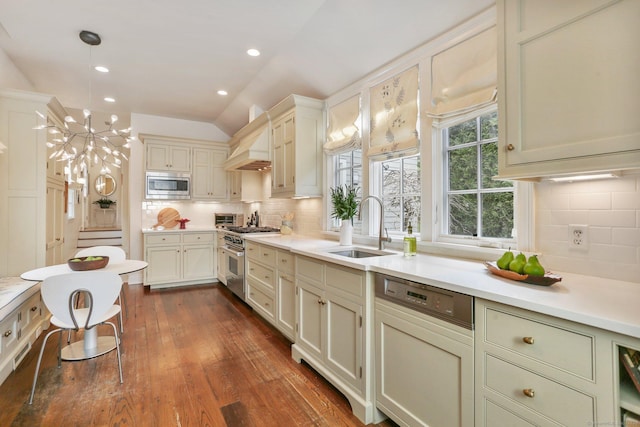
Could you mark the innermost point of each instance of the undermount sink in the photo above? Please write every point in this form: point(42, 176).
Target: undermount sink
point(360, 253)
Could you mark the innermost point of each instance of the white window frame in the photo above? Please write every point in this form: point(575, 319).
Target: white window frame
point(522, 200)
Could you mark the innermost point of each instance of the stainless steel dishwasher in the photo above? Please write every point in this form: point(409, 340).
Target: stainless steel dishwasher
point(424, 353)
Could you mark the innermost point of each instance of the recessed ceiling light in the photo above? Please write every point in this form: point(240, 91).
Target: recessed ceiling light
point(109, 99)
point(101, 68)
point(253, 52)
point(222, 92)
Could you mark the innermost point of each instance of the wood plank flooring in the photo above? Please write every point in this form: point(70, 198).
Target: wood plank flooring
point(193, 356)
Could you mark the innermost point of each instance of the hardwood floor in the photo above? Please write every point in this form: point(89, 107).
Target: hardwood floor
point(192, 356)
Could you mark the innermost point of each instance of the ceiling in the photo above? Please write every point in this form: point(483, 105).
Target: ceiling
point(169, 58)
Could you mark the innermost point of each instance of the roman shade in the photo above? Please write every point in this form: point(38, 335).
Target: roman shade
point(394, 116)
point(464, 77)
point(343, 133)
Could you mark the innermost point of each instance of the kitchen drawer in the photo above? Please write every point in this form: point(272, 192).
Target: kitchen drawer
point(31, 311)
point(252, 250)
point(561, 348)
point(310, 269)
point(496, 415)
point(345, 280)
point(563, 404)
point(9, 331)
point(261, 300)
point(197, 238)
point(162, 239)
point(285, 261)
point(265, 275)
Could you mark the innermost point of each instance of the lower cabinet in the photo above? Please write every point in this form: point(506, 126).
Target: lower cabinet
point(533, 369)
point(18, 332)
point(179, 259)
point(270, 285)
point(424, 368)
point(334, 330)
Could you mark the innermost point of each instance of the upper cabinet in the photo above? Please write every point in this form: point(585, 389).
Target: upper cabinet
point(209, 179)
point(297, 133)
point(163, 154)
point(569, 92)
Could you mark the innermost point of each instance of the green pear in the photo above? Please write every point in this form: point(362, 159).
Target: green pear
point(533, 267)
point(518, 263)
point(505, 259)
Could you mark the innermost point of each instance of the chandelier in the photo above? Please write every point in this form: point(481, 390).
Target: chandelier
point(79, 144)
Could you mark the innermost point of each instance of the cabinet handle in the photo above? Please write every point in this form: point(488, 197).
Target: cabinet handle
point(267, 277)
point(34, 308)
point(280, 185)
point(528, 340)
point(510, 147)
point(6, 334)
point(321, 301)
point(266, 304)
point(529, 392)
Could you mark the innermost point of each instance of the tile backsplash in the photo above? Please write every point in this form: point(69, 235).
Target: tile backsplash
point(609, 208)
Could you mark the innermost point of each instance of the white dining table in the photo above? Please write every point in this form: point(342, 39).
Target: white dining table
point(91, 344)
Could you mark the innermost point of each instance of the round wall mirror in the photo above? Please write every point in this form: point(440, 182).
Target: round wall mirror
point(105, 185)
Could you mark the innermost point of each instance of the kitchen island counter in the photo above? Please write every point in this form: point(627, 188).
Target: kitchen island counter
point(603, 303)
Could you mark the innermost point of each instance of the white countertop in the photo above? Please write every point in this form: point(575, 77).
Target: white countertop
point(176, 229)
point(604, 303)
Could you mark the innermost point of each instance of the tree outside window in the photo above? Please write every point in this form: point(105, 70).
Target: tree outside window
point(476, 205)
point(401, 193)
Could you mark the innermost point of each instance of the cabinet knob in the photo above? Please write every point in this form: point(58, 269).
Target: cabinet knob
point(34, 308)
point(6, 334)
point(510, 147)
point(529, 392)
point(528, 340)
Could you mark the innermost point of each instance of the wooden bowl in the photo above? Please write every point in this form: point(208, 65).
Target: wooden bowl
point(547, 280)
point(84, 265)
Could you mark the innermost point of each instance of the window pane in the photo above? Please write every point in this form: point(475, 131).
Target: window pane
point(391, 177)
point(463, 169)
point(392, 213)
point(357, 158)
point(344, 160)
point(490, 167)
point(489, 126)
point(412, 213)
point(497, 214)
point(411, 175)
point(463, 133)
point(463, 214)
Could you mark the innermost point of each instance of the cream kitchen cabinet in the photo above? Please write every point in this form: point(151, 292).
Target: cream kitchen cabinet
point(222, 264)
point(533, 369)
point(334, 330)
point(23, 180)
point(166, 154)
point(568, 87)
point(209, 179)
point(246, 186)
point(297, 133)
point(270, 285)
point(179, 259)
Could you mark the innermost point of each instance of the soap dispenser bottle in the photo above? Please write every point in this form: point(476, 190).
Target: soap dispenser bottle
point(410, 244)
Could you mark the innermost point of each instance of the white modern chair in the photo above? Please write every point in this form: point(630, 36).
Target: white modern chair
point(115, 255)
point(59, 294)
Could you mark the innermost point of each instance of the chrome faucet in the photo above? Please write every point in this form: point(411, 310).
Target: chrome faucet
point(380, 238)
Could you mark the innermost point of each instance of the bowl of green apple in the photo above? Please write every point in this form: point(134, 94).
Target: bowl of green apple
point(86, 263)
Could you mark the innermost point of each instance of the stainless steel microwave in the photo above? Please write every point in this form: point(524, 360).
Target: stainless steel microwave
point(168, 186)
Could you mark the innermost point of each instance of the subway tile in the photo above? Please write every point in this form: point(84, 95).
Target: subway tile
point(590, 201)
point(601, 235)
point(612, 218)
point(626, 200)
point(626, 236)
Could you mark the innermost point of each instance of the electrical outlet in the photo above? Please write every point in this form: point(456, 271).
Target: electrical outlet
point(578, 236)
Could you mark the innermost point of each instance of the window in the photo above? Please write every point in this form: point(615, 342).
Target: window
point(348, 171)
point(401, 193)
point(474, 204)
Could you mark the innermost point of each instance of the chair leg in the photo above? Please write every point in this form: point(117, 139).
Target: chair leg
point(35, 375)
point(123, 297)
point(120, 319)
point(115, 335)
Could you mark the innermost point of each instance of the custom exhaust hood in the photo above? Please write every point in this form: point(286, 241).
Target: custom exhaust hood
point(252, 152)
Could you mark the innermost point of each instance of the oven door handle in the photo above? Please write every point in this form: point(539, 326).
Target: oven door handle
point(231, 252)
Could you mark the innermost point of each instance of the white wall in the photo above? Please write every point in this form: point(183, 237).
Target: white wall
point(10, 76)
point(610, 208)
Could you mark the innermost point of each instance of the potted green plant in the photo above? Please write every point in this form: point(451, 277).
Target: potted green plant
point(345, 207)
point(104, 203)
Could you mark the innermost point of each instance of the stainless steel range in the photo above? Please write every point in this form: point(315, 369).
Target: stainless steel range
point(233, 251)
